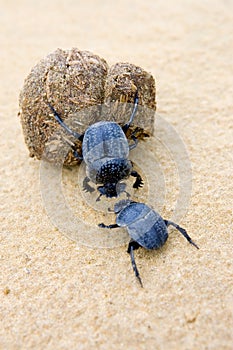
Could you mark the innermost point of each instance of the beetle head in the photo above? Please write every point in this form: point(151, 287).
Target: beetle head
point(121, 205)
point(112, 189)
point(109, 190)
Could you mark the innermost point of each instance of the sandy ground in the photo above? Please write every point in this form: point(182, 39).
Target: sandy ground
point(57, 294)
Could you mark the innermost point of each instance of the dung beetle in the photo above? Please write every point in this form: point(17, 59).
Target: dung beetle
point(145, 226)
point(105, 150)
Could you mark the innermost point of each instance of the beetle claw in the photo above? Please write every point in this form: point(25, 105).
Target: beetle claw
point(138, 184)
point(86, 186)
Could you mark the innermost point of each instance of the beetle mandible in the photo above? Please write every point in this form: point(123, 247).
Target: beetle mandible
point(145, 226)
point(105, 151)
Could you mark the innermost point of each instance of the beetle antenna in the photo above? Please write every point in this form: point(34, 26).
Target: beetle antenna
point(60, 121)
point(131, 252)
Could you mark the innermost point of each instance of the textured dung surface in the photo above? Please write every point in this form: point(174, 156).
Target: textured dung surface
point(72, 81)
point(55, 294)
point(76, 83)
point(122, 81)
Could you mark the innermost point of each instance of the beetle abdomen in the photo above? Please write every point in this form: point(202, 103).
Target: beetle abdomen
point(154, 238)
point(145, 226)
point(104, 140)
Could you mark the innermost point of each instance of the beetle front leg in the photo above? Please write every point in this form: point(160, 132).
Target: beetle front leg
point(139, 182)
point(86, 186)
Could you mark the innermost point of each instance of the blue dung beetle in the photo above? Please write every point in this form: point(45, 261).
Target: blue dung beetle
point(105, 150)
point(145, 226)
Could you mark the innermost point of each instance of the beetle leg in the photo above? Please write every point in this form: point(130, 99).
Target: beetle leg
point(133, 145)
point(135, 108)
point(131, 247)
point(75, 154)
point(182, 231)
point(73, 148)
point(139, 182)
point(86, 186)
point(121, 188)
point(98, 198)
point(60, 121)
point(102, 225)
point(127, 194)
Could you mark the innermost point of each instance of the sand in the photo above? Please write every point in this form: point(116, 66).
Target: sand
point(60, 294)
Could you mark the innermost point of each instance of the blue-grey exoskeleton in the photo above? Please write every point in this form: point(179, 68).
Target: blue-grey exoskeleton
point(105, 150)
point(145, 226)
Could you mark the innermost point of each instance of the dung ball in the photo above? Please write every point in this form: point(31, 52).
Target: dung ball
point(71, 81)
point(83, 90)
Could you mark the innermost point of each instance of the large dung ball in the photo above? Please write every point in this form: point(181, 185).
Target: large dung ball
point(78, 85)
point(71, 81)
